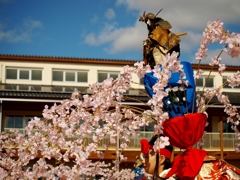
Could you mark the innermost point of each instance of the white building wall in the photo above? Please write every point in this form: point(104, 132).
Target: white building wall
point(92, 69)
point(218, 80)
point(47, 72)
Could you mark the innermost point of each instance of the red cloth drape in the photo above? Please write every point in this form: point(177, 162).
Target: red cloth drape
point(184, 132)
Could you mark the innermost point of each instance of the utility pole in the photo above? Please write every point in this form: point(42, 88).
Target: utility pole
point(221, 137)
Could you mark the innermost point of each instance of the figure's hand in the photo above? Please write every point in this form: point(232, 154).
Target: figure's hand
point(144, 62)
point(236, 44)
point(141, 19)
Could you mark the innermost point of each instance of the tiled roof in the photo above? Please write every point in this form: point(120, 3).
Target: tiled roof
point(12, 56)
point(207, 65)
point(215, 68)
point(35, 95)
point(95, 60)
point(80, 58)
point(53, 92)
point(64, 92)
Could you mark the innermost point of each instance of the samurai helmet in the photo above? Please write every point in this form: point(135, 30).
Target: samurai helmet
point(150, 16)
point(145, 17)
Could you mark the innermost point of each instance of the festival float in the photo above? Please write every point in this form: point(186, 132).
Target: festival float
point(175, 83)
point(176, 108)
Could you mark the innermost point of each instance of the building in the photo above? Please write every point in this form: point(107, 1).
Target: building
point(28, 83)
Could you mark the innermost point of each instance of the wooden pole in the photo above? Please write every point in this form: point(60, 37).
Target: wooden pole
point(172, 156)
point(181, 34)
point(221, 137)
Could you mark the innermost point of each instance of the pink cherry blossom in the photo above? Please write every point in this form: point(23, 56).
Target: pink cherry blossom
point(234, 80)
point(74, 128)
point(160, 143)
point(199, 73)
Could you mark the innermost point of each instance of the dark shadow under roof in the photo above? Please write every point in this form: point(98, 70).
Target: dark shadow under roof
point(64, 92)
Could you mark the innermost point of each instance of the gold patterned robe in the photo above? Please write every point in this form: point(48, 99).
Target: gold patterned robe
point(214, 169)
point(218, 170)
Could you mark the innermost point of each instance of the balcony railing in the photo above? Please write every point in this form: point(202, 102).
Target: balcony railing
point(212, 141)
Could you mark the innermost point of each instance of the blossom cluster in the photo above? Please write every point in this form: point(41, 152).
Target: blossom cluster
point(64, 132)
point(160, 143)
point(170, 65)
point(214, 32)
point(73, 130)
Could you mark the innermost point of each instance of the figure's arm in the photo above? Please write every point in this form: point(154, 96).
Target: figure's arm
point(146, 49)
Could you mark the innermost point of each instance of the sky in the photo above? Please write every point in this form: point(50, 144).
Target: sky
point(108, 29)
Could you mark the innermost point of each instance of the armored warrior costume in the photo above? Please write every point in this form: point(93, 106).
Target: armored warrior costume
point(160, 39)
point(185, 126)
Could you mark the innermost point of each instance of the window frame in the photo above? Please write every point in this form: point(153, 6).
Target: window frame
point(108, 74)
point(64, 72)
point(19, 70)
point(63, 89)
point(204, 82)
point(24, 121)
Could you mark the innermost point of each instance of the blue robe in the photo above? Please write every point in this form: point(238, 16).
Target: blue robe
point(176, 108)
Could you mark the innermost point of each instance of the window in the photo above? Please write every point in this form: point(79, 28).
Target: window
point(82, 77)
point(11, 74)
point(14, 122)
point(36, 88)
point(227, 127)
point(224, 80)
point(17, 122)
point(70, 76)
point(37, 75)
point(149, 128)
point(57, 76)
point(104, 75)
point(204, 81)
point(24, 74)
point(63, 89)
point(22, 87)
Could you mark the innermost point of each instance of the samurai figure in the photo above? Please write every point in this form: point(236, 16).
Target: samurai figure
point(160, 42)
point(160, 39)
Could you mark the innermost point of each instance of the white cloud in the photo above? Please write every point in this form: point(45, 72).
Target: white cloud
point(91, 39)
point(108, 34)
point(185, 16)
point(120, 39)
point(23, 33)
point(31, 24)
point(110, 14)
point(13, 37)
point(126, 39)
point(94, 19)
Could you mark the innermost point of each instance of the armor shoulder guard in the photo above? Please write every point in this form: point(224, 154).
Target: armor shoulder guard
point(164, 24)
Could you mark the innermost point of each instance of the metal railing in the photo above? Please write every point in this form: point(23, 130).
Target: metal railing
point(211, 143)
point(21, 130)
